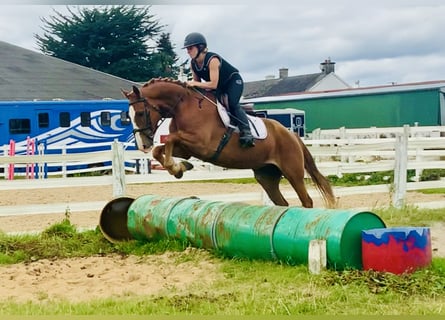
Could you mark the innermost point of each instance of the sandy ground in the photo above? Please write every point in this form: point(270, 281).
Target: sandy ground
point(100, 277)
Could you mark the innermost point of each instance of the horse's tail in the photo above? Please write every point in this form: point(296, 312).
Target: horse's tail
point(321, 182)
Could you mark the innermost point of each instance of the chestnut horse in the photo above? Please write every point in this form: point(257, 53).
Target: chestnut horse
point(196, 130)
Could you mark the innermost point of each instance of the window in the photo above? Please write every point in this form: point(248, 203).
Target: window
point(105, 119)
point(85, 119)
point(43, 120)
point(125, 119)
point(18, 126)
point(65, 119)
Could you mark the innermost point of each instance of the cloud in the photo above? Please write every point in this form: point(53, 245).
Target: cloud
point(374, 42)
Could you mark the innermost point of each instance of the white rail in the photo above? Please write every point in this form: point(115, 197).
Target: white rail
point(334, 156)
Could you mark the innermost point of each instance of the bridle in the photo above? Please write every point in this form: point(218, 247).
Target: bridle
point(148, 127)
point(147, 107)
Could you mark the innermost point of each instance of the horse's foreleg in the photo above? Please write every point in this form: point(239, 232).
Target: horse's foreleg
point(158, 154)
point(164, 154)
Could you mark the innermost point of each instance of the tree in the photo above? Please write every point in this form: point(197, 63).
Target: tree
point(165, 58)
point(111, 39)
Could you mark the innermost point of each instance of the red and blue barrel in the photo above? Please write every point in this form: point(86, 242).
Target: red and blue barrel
point(396, 250)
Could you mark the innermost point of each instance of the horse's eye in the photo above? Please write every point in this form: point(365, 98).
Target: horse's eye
point(139, 114)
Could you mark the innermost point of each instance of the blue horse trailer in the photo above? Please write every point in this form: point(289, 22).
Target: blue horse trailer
point(292, 119)
point(81, 123)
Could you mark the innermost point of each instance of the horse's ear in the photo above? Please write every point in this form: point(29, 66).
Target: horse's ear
point(136, 91)
point(125, 93)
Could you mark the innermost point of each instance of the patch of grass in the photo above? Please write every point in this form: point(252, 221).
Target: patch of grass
point(140, 248)
point(429, 282)
point(432, 191)
point(243, 286)
point(63, 240)
point(432, 174)
point(410, 216)
point(268, 288)
point(362, 179)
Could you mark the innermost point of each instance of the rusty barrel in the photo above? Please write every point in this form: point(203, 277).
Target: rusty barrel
point(241, 230)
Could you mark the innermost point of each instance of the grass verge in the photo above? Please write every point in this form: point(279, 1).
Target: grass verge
point(243, 287)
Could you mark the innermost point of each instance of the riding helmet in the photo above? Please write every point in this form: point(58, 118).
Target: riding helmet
point(193, 39)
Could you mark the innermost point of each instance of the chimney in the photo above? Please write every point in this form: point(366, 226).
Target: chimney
point(284, 72)
point(327, 66)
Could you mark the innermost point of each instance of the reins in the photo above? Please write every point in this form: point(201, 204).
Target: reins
point(214, 103)
point(149, 132)
point(204, 96)
point(226, 136)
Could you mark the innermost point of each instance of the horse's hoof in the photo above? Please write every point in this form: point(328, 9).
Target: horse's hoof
point(187, 165)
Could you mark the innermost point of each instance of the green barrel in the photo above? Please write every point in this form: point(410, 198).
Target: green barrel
point(113, 220)
point(237, 229)
point(246, 231)
point(341, 229)
point(196, 222)
point(149, 216)
point(242, 230)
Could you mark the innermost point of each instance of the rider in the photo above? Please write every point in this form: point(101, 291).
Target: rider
point(218, 74)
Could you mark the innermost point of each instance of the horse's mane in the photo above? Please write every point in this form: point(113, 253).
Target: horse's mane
point(168, 80)
point(190, 90)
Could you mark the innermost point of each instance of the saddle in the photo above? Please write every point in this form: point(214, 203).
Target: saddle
point(257, 126)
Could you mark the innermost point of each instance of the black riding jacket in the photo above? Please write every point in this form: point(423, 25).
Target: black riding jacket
point(226, 70)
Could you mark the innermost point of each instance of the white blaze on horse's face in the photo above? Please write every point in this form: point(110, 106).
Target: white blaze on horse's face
point(143, 143)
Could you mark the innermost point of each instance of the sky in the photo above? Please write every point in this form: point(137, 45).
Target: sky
point(377, 42)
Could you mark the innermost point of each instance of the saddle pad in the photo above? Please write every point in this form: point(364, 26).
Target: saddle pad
point(257, 126)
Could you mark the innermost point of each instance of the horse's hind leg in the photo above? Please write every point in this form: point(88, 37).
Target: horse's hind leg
point(296, 179)
point(269, 178)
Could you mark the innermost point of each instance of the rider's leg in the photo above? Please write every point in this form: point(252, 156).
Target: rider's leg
point(246, 139)
point(234, 90)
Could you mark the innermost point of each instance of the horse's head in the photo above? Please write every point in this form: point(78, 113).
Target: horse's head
point(144, 118)
point(157, 99)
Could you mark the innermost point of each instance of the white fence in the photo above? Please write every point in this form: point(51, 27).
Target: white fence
point(384, 149)
point(376, 133)
point(400, 150)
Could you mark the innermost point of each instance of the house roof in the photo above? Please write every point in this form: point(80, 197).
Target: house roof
point(28, 75)
point(383, 89)
point(281, 86)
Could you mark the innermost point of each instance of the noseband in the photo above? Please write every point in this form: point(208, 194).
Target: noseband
point(147, 118)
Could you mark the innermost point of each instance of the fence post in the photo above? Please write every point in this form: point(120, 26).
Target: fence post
point(5, 166)
point(11, 165)
point(400, 168)
point(118, 168)
point(342, 136)
point(316, 135)
point(317, 257)
point(64, 166)
point(30, 150)
point(419, 158)
point(42, 166)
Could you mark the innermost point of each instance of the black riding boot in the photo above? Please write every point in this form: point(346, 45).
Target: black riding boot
point(246, 139)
